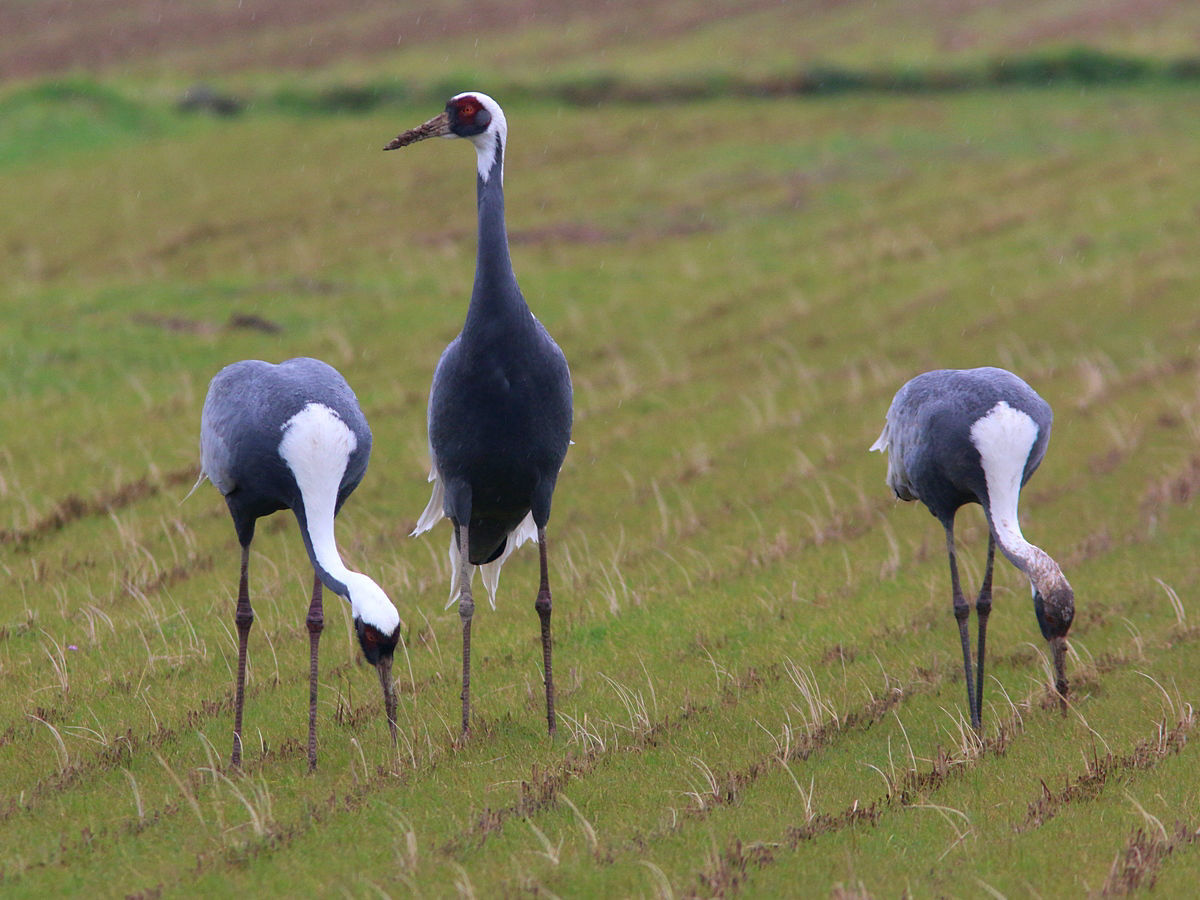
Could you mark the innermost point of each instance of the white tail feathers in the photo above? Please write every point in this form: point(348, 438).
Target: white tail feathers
point(435, 511)
point(199, 481)
point(884, 440)
point(526, 531)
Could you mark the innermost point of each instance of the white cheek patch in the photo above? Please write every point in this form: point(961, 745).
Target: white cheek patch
point(1004, 437)
point(485, 154)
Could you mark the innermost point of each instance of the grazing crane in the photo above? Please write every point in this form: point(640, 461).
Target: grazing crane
point(500, 405)
point(292, 436)
point(958, 436)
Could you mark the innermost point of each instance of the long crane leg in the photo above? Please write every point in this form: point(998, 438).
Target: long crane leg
point(542, 605)
point(961, 612)
point(983, 608)
point(316, 624)
point(466, 609)
point(244, 618)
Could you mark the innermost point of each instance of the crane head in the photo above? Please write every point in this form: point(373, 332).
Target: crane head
point(375, 644)
point(379, 648)
point(471, 115)
point(376, 620)
point(1055, 610)
point(466, 115)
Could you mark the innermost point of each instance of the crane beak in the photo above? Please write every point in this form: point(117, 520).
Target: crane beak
point(389, 693)
point(1058, 648)
point(438, 126)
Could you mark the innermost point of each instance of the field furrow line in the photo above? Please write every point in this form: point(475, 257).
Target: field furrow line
point(80, 769)
point(1169, 739)
point(1143, 856)
point(72, 508)
point(725, 872)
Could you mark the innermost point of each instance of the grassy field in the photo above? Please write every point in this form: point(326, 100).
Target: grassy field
point(760, 687)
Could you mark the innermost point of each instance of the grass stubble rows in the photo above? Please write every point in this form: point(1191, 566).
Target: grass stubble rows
point(759, 687)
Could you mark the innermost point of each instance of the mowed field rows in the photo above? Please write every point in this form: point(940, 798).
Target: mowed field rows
point(760, 685)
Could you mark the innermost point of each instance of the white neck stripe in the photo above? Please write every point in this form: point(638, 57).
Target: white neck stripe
point(316, 446)
point(485, 155)
point(1004, 438)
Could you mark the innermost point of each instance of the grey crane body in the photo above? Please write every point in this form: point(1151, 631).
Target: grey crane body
point(247, 405)
point(500, 408)
point(497, 414)
point(292, 436)
point(932, 457)
point(959, 436)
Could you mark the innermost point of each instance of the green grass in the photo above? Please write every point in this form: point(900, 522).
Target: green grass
point(755, 654)
point(52, 118)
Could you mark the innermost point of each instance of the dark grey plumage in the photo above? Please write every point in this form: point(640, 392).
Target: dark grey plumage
point(292, 436)
point(247, 405)
point(500, 406)
point(958, 436)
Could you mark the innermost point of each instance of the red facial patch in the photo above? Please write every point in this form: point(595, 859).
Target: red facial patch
point(466, 109)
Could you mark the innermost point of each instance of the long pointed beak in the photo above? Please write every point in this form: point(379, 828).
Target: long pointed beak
point(1058, 646)
point(389, 694)
point(438, 126)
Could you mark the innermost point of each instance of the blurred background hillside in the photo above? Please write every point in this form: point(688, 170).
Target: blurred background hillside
point(533, 40)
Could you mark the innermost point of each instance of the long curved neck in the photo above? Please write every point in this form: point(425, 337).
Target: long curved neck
point(367, 600)
point(316, 445)
point(1004, 437)
point(495, 292)
point(1041, 570)
point(315, 515)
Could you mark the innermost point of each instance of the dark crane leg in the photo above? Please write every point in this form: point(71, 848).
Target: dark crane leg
point(316, 624)
point(466, 609)
point(983, 608)
point(542, 605)
point(961, 612)
point(244, 617)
